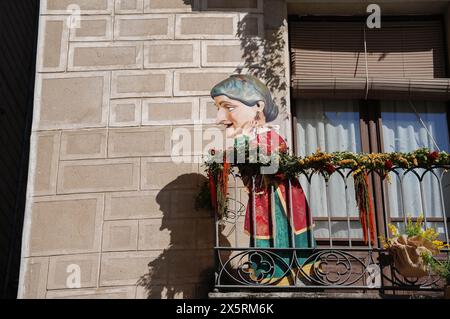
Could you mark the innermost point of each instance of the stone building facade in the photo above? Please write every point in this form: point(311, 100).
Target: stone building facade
point(112, 85)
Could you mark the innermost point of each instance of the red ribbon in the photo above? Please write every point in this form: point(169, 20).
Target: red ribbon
point(364, 200)
point(213, 191)
point(219, 189)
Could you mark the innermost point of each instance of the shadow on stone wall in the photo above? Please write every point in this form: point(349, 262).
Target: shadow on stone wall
point(176, 269)
point(264, 57)
point(262, 53)
point(186, 267)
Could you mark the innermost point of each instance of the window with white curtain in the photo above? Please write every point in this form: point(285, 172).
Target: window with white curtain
point(334, 125)
point(408, 126)
point(331, 126)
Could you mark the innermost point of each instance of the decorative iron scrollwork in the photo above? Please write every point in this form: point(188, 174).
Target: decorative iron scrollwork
point(322, 268)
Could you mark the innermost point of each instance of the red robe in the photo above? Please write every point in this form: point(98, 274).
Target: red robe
point(270, 141)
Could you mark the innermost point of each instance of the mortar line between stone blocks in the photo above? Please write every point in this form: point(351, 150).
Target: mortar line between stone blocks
point(104, 196)
point(82, 14)
point(138, 234)
point(78, 192)
point(140, 112)
point(136, 250)
point(142, 48)
point(174, 35)
point(55, 255)
point(146, 218)
point(108, 115)
point(58, 162)
point(100, 255)
point(110, 286)
point(201, 53)
point(47, 276)
point(173, 84)
point(140, 173)
point(66, 58)
point(113, 16)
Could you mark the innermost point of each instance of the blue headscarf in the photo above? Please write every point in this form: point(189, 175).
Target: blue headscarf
point(248, 90)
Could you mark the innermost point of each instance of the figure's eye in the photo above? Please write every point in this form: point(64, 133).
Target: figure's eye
point(230, 107)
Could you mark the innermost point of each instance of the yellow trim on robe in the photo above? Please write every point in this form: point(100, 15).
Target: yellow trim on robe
point(286, 281)
point(257, 237)
point(304, 229)
point(270, 237)
point(283, 203)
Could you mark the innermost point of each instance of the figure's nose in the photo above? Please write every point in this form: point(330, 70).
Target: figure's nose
point(222, 117)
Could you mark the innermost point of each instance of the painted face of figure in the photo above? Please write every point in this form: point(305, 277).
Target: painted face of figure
point(237, 117)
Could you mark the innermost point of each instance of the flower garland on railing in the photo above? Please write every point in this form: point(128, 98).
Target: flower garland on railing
point(291, 166)
point(218, 175)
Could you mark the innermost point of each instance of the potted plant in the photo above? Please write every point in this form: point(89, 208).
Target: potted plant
point(408, 249)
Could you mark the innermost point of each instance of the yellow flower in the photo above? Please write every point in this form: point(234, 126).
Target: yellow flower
point(430, 234)
point(419, 220)
point(439, 244)
point(365, 159)
point(346, 162)
point(384, 242)
point(393, 230)
point(403, 161)
point(388, 178)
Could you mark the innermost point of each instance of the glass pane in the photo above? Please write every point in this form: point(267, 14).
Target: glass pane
point(330, 126)
point(408, 126)
point(440, 228)
point(339, 230)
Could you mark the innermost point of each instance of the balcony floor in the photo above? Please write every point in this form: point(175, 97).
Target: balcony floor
point(321, 295)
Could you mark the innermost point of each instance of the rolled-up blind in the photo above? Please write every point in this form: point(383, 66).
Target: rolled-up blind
point(403, 59)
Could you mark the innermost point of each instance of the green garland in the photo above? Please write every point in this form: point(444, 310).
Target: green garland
point(327, 163)
point(291, 166)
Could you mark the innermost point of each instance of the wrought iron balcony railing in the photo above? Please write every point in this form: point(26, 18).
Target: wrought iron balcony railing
point(340, 259)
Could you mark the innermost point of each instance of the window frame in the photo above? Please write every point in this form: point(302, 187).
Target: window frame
point(371, 124)
point(371, 133)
